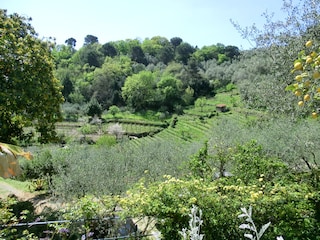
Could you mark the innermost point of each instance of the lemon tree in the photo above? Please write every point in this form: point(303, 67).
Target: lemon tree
point(306, 86)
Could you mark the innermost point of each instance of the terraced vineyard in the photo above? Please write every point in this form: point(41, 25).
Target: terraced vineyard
point(194, 125)
point(188, 128)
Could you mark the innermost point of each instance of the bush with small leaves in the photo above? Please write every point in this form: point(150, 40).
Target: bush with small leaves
point(103, 170)
point(45, 165)
point(113, 110)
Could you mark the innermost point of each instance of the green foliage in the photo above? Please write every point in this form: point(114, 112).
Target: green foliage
point(97, 215)
point(159, 48)
point(284, 204)
point(196, 80)
point(137, 55)
point(101, 71)
point(90, 39)
point(108, 49)
point(251, 154)
point(94, 108)
point(101, 170)
point(72, 112)
point(259, 180)
point(261, 169)
point(218, 52)
point(170, 89)
point(294, 142)
point(71, 42)
point(31, 94)
point(113, 110)
point(13, 212)
point(230, 87)
point(183, 52)
point(83, 219)
point(106, 141)
point(62, 54)
point(199, 164)
point(44, 165)
point(188, 96)
point(109, 79)
point(89, 54)
point(139, 90)
point(176, 41)
point(88, 129)
point(200, 103)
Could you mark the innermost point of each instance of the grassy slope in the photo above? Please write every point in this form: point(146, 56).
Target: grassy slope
point(22, 186)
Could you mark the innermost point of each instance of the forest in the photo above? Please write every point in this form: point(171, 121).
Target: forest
point(161, 139)
point(155, 74)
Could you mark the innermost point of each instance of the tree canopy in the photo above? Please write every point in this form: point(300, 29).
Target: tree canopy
point(139, 90)
point(30, 94)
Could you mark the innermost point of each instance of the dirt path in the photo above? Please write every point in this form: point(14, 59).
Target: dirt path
point(40, 202)
point(6, 189)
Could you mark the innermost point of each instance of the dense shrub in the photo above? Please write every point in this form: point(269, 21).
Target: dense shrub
point(290, 207)
point(44, 165)
point(288, 203)
point(106, 141)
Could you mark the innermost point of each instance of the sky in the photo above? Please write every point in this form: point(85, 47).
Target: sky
point(198, 22)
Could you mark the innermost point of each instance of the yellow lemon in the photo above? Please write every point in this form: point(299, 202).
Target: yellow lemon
point(314, 115)
point(318, 90)
point(306, 84)
point(309, 43)
point(300, 103)
point(313, 54)
point(298, 93)
point(316, 75)
point(309, 60)
point(298, 66)
point(306, 97)
point(298, 78)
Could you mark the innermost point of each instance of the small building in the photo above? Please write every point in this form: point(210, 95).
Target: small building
point(221, 107)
